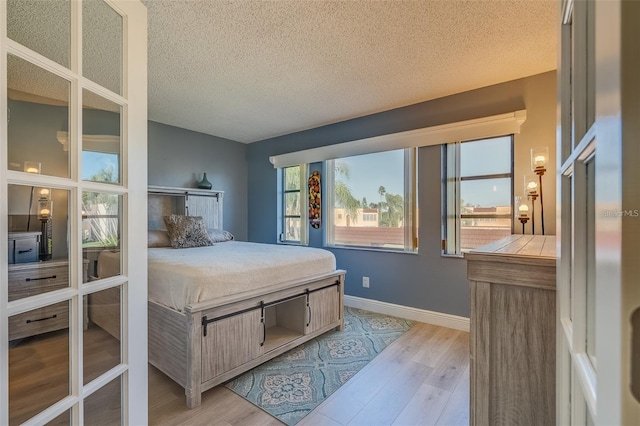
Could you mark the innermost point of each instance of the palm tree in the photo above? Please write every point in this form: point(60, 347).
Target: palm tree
point(343, 196)
point(395, 209)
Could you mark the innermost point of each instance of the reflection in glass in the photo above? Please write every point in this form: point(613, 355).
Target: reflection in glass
point(101, 227)
point(38, 360)
point(102, 44)
point(38, 233)
point(104, 406)
point(36, 96)
point(591, 260)
point(485, 157)
point(63, 419)
point(42, 26)
point(101, 145)
point(102, 336)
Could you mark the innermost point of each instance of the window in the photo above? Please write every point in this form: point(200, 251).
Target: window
point(294, 205)
point(478, 193)
point(371, 200)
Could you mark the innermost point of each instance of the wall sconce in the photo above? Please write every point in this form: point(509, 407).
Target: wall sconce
point(539, 160)
point(531, 193)
point(45, 211)
point(32, 167)
point(523, 210)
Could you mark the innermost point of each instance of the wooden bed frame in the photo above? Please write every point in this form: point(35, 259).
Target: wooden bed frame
point(214, 341)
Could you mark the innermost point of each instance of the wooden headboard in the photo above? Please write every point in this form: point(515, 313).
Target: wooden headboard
point(164, 200)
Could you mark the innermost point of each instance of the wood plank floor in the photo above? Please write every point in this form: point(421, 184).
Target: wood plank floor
point(420, 379)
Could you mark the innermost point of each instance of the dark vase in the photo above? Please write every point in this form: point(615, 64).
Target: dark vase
point(204, 183)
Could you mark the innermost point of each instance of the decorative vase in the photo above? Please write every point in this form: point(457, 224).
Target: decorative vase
point(204, 183)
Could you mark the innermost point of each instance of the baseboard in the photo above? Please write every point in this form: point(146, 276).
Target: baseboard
point(422, 315)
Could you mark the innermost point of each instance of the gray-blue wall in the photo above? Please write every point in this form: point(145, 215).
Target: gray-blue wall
point(178, 157)
point(425, 280)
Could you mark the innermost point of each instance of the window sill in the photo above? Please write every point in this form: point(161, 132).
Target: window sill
point(453, 256)
point(292, 243)
point(381, 250)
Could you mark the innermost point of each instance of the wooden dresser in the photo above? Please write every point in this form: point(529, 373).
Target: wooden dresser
point(513, 338)
point(30, 279)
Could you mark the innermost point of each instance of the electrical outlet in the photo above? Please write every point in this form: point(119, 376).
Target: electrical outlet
point(365, 282)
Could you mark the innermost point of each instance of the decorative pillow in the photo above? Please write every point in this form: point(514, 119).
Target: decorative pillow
point(187, 231)
point(219, 235)
point(158, 238)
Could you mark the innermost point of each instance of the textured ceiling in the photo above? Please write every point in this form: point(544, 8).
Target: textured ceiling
point(250, 70)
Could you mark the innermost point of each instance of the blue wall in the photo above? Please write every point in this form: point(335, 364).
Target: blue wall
point(425, 280)
point(178, 157)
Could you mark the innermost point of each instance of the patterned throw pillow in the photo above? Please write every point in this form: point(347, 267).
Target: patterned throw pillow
point(187, 231)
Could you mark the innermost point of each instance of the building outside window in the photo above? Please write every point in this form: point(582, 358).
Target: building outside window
point(478, 193)
point(371, 201)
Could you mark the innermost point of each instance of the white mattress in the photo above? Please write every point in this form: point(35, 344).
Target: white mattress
point(182, 277)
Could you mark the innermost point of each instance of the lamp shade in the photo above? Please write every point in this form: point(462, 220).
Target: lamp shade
point(539, 158)
point(530, 185)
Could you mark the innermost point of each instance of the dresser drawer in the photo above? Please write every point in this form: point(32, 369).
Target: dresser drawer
point(39, 278)
point(38, 321)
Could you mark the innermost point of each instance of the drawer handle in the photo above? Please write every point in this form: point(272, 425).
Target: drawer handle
point(52, 277)
point(25, 251)
point(42, 319)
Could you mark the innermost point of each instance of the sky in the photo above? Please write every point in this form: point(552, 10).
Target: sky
point(368, 172)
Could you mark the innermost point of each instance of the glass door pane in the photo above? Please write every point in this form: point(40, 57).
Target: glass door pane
point(42, 26)
point(38, 103)
point(39, 374)
point(101, 141)
point(102, 44)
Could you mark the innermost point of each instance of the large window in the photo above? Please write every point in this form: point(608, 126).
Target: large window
point(371, 201)
point(478, 193)
point(294, 205)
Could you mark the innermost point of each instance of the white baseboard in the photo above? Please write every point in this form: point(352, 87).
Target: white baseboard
point(415, 314)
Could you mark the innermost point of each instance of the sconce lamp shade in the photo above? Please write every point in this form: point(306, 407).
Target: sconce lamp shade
point(44, 209)
point(32, 167)
point(522, 205)
point(530, 185)
point(539, 158)
point(44, 193)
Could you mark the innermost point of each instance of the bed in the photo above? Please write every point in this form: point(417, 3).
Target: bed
point(217, 311)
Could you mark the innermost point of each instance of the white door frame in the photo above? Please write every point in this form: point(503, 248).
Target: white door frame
point(598, 110)
point(133, 367)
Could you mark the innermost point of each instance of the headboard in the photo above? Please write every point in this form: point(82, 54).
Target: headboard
point(164, 200)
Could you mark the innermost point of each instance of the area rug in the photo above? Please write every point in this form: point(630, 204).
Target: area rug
point(294, 383)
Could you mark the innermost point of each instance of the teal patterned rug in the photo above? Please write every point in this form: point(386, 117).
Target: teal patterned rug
point(294, 383)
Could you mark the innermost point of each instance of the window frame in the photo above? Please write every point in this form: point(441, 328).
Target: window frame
point(410, 194)
point(451, 193)
point(304, 206)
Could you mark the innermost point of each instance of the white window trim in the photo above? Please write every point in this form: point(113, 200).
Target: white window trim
point(451, 196)
point(304, 207)
point(478, 128)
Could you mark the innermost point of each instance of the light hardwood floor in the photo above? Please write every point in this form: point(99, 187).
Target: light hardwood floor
point(420, 379)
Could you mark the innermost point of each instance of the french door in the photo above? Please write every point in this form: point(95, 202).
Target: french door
point(73, 181)
point(598, 371)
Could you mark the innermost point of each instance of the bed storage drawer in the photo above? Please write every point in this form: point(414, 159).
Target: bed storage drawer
point(241, 336)
point(324, 308)
point(38, 321)
point(36, 278)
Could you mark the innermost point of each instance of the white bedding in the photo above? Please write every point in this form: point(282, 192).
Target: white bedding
point(182, 277)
